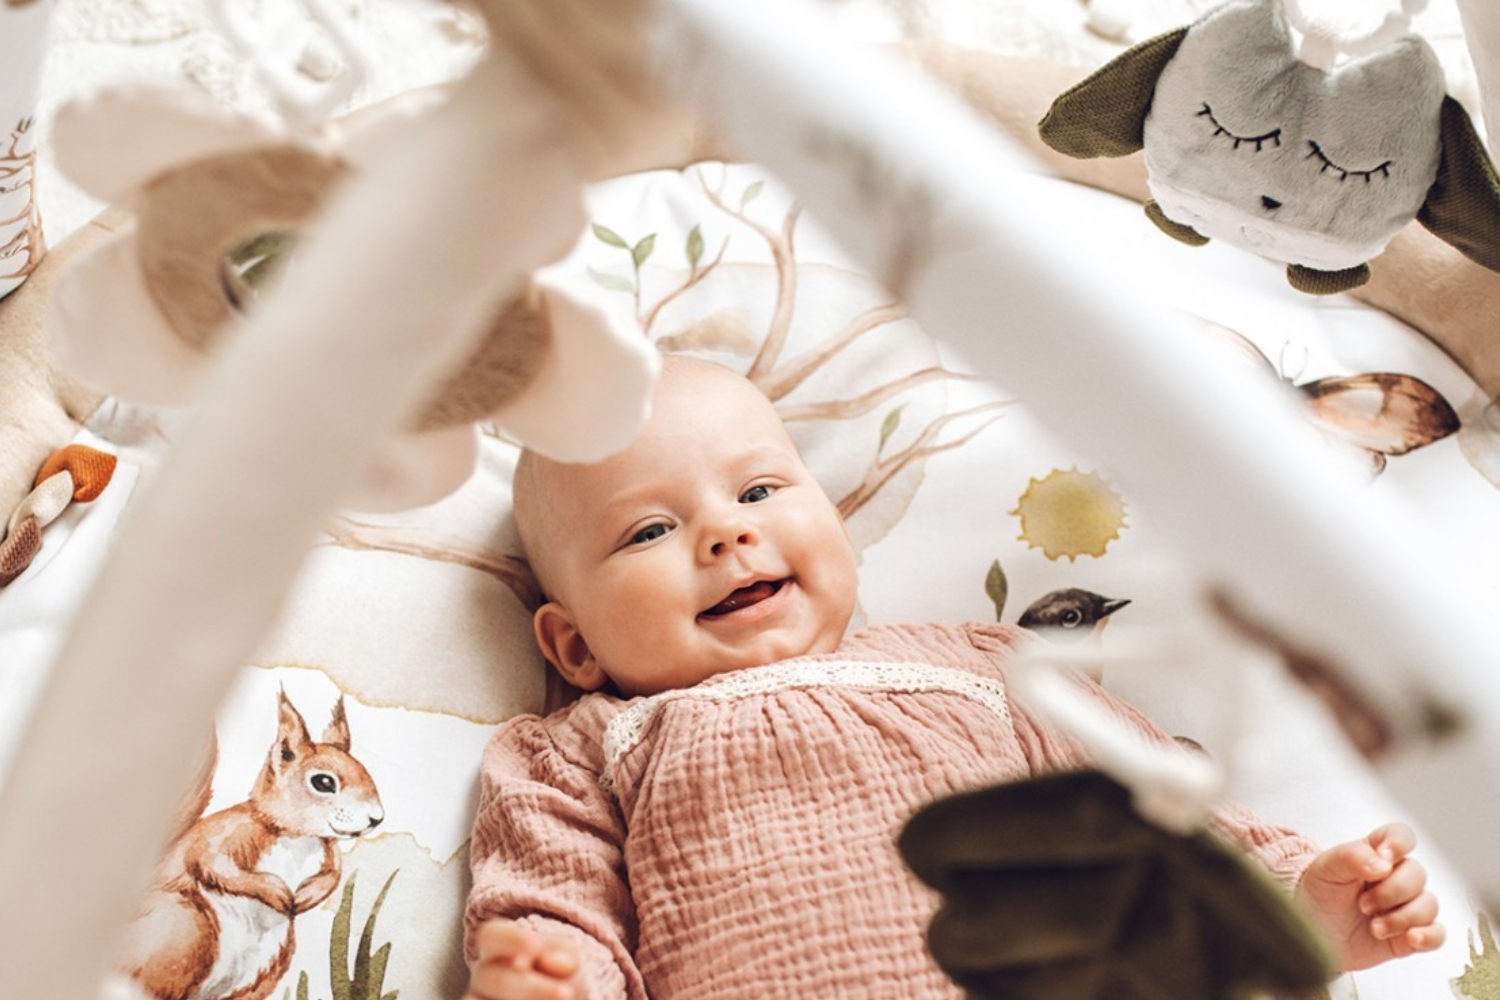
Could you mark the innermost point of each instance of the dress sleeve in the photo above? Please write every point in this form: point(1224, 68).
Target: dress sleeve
point(547, 848)
point(1281, 852)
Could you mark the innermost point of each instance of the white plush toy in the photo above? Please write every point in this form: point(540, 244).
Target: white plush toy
point(1280, 135)
point(217, 197)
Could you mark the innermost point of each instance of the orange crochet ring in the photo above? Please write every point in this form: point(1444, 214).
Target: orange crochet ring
point(90, 468)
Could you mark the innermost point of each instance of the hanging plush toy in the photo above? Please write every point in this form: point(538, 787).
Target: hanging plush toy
point(1307, 148)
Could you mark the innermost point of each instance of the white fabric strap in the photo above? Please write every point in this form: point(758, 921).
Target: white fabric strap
point(50, 498)
point(626, 729)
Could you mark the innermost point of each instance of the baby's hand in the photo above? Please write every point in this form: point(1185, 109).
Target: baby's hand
point(1372, 899)
point(516, 963)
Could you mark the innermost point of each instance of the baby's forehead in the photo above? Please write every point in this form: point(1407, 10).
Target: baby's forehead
point(540, 484)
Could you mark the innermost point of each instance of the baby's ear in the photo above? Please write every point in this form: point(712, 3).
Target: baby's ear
point(564, 647)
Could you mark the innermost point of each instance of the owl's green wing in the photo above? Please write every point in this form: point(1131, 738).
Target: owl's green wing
point(1463, 204)
point(1103, 114)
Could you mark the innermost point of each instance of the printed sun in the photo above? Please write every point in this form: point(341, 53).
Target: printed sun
point(1070, 513)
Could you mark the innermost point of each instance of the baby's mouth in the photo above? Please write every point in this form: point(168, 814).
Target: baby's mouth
point(744, 597)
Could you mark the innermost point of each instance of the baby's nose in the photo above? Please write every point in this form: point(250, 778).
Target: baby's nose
point(720, 547)
point(729, 533)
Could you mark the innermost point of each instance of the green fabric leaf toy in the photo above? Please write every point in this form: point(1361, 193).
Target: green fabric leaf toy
point(1056, 889)
point(1311, 153)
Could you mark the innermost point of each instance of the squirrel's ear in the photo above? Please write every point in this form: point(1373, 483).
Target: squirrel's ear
point(337, 733)
point(292, 737)
point(1104, 114)
point(1463, 204)
point(564, 647)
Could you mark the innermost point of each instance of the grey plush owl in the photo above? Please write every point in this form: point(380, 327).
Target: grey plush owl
point(1312, 153)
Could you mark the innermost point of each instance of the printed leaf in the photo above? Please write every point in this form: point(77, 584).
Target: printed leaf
point(369, 972)
point(302, 993)
point(889, 425)
point(338, 944)
point(359, 980)
point(642, 250)
point(750, 193)
point(694, 247)
point(609, 236)
point(997, 587)
point(614, 282)
point(377, 971)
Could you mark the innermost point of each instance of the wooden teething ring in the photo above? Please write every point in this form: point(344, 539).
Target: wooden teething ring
point(240, 195)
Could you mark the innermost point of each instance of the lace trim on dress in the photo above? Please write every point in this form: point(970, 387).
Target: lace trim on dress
point(626, 729)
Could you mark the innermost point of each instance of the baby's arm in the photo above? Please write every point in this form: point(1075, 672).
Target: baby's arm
point(1372, 899)
point(547, 860)
point(514, 962)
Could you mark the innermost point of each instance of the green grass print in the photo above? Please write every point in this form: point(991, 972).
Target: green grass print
point(365, 979)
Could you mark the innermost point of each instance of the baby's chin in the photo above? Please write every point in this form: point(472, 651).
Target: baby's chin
point(653, 678)
point(783, 648)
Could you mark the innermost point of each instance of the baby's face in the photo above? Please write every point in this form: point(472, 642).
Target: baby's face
point(706, 546)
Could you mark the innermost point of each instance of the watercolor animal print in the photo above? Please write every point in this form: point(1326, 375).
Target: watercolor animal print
point(219, 922)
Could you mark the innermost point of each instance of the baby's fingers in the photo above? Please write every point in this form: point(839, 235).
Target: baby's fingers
point(1393, 841)
point(557, 957)
point(491, 981)
point(506, 942)
point(1405, 882)
point(1415, 921)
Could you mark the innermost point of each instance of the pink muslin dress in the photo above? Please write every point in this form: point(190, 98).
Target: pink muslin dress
point(736, 839)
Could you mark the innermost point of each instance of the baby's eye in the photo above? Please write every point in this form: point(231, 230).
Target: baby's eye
point(1273, 136)
point(756, 494)
point(649, 533)
point(1383, 169)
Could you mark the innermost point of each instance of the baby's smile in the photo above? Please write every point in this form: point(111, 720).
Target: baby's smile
point(745, 597)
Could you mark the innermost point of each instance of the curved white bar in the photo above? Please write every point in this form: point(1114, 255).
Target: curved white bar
point(1481, 21)
point(391, 293)
point(914, 184)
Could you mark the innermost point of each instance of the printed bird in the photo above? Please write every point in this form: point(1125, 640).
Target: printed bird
point(1070, 615)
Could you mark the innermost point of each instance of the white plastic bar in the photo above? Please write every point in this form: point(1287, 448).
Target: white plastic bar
point(915, 185)
point(392, 292)
point(1176, 791)
point(1481, 21)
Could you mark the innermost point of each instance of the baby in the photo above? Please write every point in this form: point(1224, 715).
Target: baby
point(717, 816)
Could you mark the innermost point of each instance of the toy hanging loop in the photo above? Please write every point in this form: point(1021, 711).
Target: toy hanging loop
point(1176, 791)
point(1324, 41)
point(303, 104)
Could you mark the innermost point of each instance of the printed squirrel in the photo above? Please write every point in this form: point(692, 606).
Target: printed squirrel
point(218, 921)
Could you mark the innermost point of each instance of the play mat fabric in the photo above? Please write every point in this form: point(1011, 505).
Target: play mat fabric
point(406, 641)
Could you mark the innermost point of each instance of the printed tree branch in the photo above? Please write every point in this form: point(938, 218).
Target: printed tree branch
point(780, 383)
point(697, 276)
point(512, 571)
point(883, 470)
point(845, 409)
point(783, 255)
